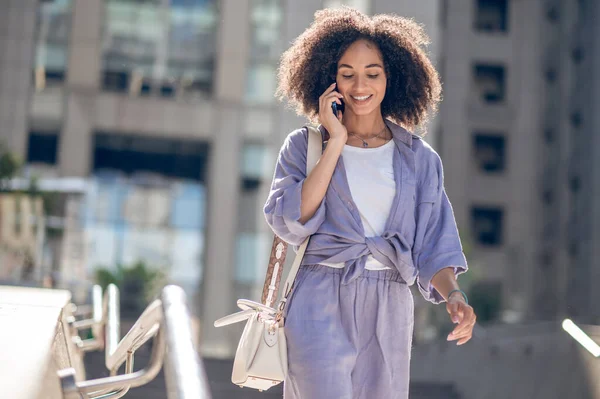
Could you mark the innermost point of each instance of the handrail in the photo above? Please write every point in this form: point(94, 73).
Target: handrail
point(112, 321)
point(167, 320)
point(130, 380)
point(184, 371)
point(144, 328)
point(97, 310)
point(118, 385)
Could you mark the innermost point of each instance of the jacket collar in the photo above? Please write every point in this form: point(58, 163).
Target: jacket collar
point(399, 133)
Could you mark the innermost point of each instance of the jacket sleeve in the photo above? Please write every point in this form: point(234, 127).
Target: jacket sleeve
point(437, 243)
point(282, 208)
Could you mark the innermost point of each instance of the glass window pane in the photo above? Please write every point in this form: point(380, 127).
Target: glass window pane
point(265, 49)
point(42, 147)
point(150, 232)
point(257, 161)
point(265, 18)
point(489, 151)
point(261, 83)
point(487, 225)
point(491, 15)
point(164, 47)
point(489, 83)
point(52, 42)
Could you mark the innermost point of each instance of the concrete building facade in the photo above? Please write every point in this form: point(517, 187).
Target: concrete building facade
point(519, 149)
point(568, 267)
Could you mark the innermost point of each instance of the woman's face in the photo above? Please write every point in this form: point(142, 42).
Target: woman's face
point(361, 78)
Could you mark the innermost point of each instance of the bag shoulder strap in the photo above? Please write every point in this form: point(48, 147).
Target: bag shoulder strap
point(279, 247)
point(315, 146)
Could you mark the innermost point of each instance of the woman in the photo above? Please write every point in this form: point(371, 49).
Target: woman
point(374, 206)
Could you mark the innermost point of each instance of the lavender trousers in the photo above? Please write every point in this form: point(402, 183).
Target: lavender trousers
point(348, 341)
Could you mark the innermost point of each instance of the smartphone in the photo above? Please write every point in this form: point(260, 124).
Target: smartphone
point(335, 107)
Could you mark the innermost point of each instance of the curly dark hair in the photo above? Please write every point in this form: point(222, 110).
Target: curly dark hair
point(309, 66)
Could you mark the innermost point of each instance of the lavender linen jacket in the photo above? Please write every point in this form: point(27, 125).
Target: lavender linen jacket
point(420, 236)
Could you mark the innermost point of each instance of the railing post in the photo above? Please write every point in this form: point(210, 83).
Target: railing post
point(113, 320)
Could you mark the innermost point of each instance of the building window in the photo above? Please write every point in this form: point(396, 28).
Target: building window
point(550, 74)
point(489, 83)
point(489, 152)
point(574, 184)
point(253, 246)
point(160, 224)
point(548, 197)
point(261, 82)
point(130, 154)
point(42, 148)
point(491, 16)
point(577, 54)
point(52, 43)
point(161, 48)
point(487, 225)
point(256, 166)
point(576, 119)
point(552, 13)
point(549, 135)
point(265, 49)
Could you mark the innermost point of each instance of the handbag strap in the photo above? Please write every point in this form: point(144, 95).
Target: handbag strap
point(274, 271)
point(315, 147)
point(279, 247)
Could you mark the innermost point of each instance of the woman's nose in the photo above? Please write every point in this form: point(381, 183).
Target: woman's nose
point(359, 83)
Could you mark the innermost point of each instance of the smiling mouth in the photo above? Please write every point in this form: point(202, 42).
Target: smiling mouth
point(361, 98)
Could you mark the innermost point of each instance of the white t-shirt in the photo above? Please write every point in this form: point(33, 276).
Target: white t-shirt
point(370, 173)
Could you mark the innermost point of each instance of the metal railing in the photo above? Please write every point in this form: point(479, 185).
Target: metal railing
point(167, 322)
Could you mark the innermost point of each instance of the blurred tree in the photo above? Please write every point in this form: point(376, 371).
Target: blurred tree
point(138, 285)
point(10, 165)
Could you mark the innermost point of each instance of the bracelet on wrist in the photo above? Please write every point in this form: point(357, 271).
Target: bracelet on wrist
point(461, 292)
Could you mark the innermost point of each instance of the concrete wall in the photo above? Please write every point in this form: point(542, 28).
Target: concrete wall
point(17, 27)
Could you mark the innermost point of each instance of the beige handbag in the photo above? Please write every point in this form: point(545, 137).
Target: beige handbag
point(261, 357)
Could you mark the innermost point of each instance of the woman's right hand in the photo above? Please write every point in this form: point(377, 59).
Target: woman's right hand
point(329, 121)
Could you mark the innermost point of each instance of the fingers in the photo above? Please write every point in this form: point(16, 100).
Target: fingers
point(330, 95)
point(453, 310)
point(330, 98)
point(467, 319)
point(326, 116)
point(328, 90)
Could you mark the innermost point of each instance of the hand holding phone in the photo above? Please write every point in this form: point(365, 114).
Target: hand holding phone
point(331, 99)
point(335, 107)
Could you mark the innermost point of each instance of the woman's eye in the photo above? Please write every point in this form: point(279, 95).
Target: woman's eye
point(373, 76)
point(347, 76)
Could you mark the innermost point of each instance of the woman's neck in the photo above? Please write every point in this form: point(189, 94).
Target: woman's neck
point(364, 125)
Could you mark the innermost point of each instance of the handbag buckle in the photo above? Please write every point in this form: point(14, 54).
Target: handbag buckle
point(281, 305)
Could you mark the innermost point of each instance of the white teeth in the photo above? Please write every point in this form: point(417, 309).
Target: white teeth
point(362, 98)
